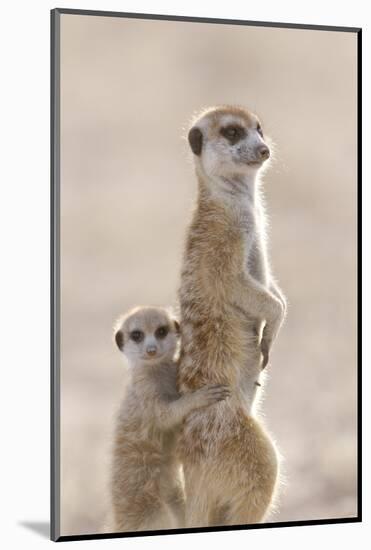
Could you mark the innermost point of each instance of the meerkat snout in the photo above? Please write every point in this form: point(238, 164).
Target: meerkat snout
point(263, 152)
point(151, 350)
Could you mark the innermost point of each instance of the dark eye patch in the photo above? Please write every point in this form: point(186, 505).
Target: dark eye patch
point(233, 133)
point(137, 335)
point(259, 130)
point(162, 332)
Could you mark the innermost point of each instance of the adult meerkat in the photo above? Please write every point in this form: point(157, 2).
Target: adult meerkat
point(231, 312)
point(146, 487)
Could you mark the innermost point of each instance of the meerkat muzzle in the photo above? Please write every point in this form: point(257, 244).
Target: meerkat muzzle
point(263, 152)
point(151, 351)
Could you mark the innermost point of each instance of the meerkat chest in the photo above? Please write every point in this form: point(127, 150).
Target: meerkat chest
point(256, 260)
point(246, 219)
point(254, 247)
point(141, 425)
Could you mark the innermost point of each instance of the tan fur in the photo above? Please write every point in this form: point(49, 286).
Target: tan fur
point(146, 483)
point(231, 312)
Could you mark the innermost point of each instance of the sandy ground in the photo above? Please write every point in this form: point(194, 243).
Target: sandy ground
point(129, 89)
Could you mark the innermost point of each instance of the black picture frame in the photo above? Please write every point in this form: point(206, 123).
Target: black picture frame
point(55, 272)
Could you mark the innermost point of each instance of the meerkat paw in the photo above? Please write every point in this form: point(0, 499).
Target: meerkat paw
point(266, 345)
point(264, 348)
point(209, 395)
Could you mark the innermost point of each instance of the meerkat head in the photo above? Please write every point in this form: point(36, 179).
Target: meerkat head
point(147, 335)
point(228, 142)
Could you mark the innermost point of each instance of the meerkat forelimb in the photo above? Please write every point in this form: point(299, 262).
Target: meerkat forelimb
point(231, 312)
point(262, 303)
point(146, 486)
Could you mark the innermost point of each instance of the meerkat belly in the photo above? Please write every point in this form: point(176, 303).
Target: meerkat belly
point(221, 349)
point(207, 435)
point(139, 434)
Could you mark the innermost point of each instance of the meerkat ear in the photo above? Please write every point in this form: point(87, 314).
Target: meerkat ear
point(177, 327)
point(195, 140)
point(119, 339)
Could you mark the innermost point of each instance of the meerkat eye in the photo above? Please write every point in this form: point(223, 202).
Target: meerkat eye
point(233, 133)
point(137, 335)
point(259, 130)
point(161, 332)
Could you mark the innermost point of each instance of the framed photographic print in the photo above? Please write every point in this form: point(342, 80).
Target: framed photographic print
point(205, 191)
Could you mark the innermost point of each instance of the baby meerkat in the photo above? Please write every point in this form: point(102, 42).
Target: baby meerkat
point(146, 484)
point(231, 312)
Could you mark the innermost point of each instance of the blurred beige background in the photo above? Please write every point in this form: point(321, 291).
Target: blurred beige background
point(128, 90)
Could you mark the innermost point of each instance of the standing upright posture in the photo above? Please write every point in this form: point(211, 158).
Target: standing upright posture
point(231, 312)
point(146, 487)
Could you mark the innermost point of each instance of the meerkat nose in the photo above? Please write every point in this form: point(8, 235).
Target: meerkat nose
point(151, 350)
point(263, 152)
